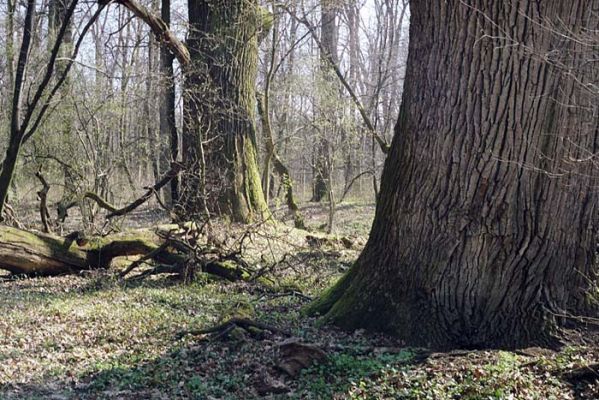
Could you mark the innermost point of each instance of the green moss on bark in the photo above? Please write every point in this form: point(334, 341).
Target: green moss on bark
point(323, 304)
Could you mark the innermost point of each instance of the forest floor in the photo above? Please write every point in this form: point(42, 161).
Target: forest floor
point(93, 336)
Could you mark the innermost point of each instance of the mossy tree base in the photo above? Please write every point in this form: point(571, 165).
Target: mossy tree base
point(219, 139)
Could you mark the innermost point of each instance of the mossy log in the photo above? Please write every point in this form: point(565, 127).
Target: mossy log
point(40, 254)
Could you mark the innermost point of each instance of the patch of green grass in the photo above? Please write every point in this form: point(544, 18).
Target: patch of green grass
point(497, 377)
point(84, 332)
point(344, 370)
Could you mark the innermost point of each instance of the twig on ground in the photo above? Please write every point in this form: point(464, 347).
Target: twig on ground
point(143, 259)
point(244, 323)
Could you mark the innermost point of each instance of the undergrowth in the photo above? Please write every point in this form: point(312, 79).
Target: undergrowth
point(93, 336)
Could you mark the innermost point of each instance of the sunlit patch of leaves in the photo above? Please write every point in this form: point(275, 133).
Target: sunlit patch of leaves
point(482, 375)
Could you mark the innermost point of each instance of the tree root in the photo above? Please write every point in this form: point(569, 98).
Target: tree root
point(224, 329)
point(587, 373)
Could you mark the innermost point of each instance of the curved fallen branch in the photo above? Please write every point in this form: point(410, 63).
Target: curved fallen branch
point(114, 211)
point(244, 323)
point(172, 173)
point(585, 373)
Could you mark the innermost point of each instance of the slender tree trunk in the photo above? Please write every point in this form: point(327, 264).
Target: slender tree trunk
point(56, 18)
point(279, 167)
point(168, 127)
point(486, 226)
point(153, 137)
point(220, 109)
point(16, 135)
point(349, 143)
point(271, 156)
point(329, 38)
point(10, 46)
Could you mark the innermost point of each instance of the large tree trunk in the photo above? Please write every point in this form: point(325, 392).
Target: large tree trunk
point(486, 228)
point(219, 141)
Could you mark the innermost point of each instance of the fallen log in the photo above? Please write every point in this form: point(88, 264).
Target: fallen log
point(41, 254)
point(23, 252)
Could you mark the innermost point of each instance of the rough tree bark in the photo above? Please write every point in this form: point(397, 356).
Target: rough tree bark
point(219, 141)
point(486, 228)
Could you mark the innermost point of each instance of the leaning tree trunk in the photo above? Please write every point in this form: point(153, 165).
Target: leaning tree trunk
point(219, 141)
point(486, 228)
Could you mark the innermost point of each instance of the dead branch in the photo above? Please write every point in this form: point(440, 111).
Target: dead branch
point(112, 209)
point(151, 255)
point(43, 196)
point(351, 183)
point(159, 28)
point(9, 216)
point(172, 173)
point(226, 327)
point(586, 373)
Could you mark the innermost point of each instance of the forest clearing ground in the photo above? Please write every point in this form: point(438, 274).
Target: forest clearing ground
point(92, 336)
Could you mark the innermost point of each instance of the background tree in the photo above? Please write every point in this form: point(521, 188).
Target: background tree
point(109, 110)
point(220, 136)
point(485, 231)
point(168, 127)
point(327, 121)
point(271, 157)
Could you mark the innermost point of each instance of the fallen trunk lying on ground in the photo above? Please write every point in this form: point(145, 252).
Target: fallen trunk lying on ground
point(32, 253)
point(40, 254)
